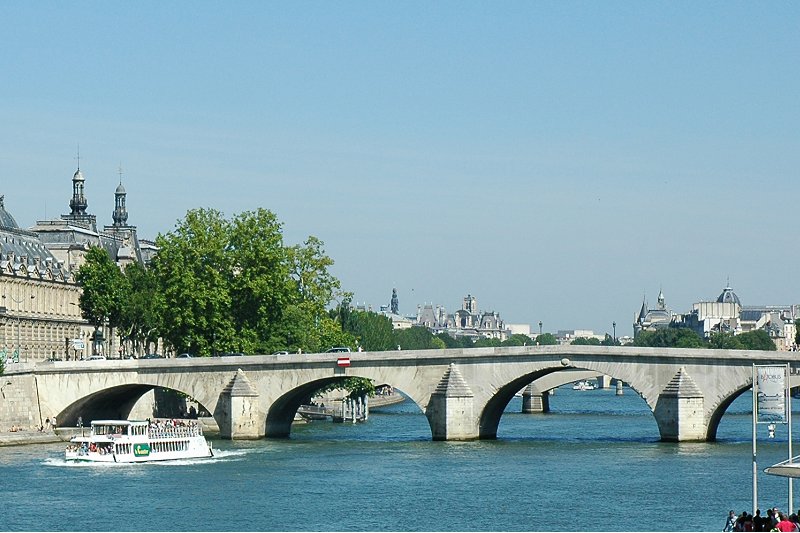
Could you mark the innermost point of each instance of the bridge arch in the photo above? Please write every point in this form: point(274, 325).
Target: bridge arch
point(494, 408)
point(115, 402)
point(281, 412)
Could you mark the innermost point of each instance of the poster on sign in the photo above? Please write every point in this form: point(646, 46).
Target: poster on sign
point(771, 398)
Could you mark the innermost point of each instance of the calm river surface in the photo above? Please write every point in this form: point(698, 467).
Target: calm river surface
point(593, 463)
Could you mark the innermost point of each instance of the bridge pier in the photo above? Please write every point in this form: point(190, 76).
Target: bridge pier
point(451, 410)
point(679, 410)
point(237, 411)
point(535, 401)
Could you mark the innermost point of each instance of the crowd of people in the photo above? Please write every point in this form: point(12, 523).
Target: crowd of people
point(173, 428)
point(773, 520)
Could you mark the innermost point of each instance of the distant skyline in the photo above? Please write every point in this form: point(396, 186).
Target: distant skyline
point(557, 160)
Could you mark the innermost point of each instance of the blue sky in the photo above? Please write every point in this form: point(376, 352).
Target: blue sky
point(558, 160)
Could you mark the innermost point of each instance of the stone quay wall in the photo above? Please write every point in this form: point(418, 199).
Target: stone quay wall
point(19, 400)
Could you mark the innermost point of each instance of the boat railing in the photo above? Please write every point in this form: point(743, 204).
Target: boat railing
point(171, 432)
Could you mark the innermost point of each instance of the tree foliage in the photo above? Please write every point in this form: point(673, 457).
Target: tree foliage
point(417, 338)
point(585, 341)
point(546, 339)
point(139, 319)
point(670, 338)
point(102, 282)
point(687, 338)
point(757, 340)
point(373, 331)
point(234, 286)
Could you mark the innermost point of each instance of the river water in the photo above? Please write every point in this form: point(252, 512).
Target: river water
point(593, 463)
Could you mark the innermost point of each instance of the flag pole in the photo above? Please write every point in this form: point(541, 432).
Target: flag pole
point(789, 418)
point(755, 466)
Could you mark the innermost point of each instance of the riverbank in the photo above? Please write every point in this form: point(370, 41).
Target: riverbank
point(16, 438)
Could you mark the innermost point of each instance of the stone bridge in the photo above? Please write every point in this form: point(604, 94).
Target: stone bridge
point(462, 392)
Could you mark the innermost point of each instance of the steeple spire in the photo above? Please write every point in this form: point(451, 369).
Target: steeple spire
point(120, 214)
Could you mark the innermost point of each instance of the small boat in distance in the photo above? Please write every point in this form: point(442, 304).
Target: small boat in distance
point(584, 385)
point(139, 441)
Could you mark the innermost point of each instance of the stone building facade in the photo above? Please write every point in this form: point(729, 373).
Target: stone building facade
point(39, 313)
point(465, 322)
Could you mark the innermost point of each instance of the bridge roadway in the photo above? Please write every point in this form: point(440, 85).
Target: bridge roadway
point(462, 392)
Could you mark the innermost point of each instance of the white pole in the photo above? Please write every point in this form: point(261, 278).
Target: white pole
point(789, 418)
point(755, 466)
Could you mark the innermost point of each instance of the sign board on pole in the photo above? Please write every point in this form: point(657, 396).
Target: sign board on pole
point(78, 344)
point(771, 396)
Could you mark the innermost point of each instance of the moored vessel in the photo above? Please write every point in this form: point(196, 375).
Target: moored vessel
point(139, 441)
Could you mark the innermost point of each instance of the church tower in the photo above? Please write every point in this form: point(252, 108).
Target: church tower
point(78, 203)
point(120, 215)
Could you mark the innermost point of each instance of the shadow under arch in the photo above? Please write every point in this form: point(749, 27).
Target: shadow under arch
point(114, 403)
point(282, 411)
point(716, 416)
point(495, 407)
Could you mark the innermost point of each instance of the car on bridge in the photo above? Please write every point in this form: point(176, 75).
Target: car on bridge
point(339, 349)
point(184, 356)
point(152, 356)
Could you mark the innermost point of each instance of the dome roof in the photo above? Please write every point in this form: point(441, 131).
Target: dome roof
point(78, 176)
point(728, 296)
point(6, 220)
point(120, 189)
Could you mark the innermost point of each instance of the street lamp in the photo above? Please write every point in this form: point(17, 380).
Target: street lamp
point(614, 325)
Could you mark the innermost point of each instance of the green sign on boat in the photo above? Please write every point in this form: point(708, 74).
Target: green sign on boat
point(141, 450)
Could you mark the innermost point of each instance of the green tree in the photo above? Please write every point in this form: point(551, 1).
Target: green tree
point(483, 342)
point(374, 332)
point(757, 340)
point(193, 272)
point(102, 287)
point(459, 342)
point(415, 338)
point(259, 282)
point(585, 341)
point(139, 320)
point(608, 340)
point(546, 339)
point(724, 341)
point(670, 338)
point(518, 339)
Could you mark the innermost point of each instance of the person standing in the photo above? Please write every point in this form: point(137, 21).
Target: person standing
point(730, 522)
point(785, 524)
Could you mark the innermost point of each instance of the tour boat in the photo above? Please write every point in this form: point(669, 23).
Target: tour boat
point(139, 441)
point(584, 385)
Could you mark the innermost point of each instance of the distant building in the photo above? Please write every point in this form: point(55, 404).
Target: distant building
point(566, 336)
point(725, 314)
point(652, 319)
point(465, 322)
point(39, 312)
point(70, 237)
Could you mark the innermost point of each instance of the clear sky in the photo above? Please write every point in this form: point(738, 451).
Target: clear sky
point(558, 160)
